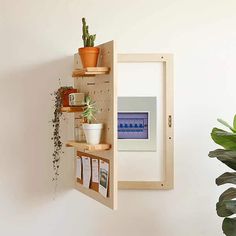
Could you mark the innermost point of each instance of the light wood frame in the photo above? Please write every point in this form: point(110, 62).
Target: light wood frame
point(168, 181)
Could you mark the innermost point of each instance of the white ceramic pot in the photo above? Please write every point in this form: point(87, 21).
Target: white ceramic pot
point(93, 133)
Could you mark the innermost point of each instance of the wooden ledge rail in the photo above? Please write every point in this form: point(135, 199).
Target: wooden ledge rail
point(72, 109)
point(90, 71)
point(88, 147)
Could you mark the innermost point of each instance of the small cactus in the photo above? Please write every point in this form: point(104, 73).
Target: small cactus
point(87, 38)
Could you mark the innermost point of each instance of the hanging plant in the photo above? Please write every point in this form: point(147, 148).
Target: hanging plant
point(56, 138)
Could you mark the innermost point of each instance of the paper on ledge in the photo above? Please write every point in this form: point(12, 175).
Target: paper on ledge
point(86, 171)
point(103, 177)
point(95, 170)
point(78, 168)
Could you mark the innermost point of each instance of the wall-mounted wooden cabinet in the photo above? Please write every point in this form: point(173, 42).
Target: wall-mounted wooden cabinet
point(100, 84)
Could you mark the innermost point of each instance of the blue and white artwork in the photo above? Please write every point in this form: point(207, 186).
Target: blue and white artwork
point(133, 125)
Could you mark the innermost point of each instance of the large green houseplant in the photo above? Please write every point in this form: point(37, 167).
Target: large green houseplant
point(226, 206)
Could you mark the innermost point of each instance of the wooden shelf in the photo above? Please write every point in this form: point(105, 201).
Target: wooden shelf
point(72, 109)
point(90, 71)
point(88, 147)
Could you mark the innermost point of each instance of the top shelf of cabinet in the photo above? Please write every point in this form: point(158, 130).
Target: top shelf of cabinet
point(90, 71)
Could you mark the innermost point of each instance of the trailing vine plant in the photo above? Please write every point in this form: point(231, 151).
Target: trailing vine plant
point(56, 138)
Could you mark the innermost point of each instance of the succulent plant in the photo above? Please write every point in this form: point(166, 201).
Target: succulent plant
point(87, 38)
point(90, 110)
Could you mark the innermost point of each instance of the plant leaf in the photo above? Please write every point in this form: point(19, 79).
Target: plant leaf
point(226, 208)
point(226, 124)
point(224, 138)
point(228, 194)
point(228, 157)
point(90, 110)
point(234, 123)
point(229, 226)
point(226, 178)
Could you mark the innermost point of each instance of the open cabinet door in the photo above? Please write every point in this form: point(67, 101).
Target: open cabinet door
point(95, 165)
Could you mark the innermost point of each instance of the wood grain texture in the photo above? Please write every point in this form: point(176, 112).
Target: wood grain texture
point(90, 71)
point(143, 185)
point(72, 109)
point(102, 89)
point(88, 147)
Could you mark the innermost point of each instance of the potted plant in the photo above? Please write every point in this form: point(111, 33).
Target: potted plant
point(60, 100)
point(89, 53)
point(65, 92)
point(92, 132)
point(226, 206)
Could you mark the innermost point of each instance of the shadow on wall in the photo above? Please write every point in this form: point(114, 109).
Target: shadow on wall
point(25, 142)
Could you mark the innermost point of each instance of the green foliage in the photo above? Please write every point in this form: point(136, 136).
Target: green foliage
point(226, 206)
point(90, 109)
point(229, 226)
point(227, 125)
point(225, 139)
point(225, 156)
point(87, 38)
point(56, 130)
point(226, 178)
point(228, 194)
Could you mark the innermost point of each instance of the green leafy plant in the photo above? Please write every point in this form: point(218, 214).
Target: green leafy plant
point(226, 206)
point(90, 110)
point(56, 138)
point(87, 38)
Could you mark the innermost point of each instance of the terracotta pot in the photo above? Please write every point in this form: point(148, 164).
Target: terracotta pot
point(65, 96)
point(89, 56)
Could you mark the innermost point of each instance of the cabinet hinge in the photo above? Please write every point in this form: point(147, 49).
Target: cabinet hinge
point(170, 121)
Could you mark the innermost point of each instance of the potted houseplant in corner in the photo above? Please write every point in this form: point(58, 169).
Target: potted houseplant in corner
point(89, 53)
point(92, 132)
point(226, 206)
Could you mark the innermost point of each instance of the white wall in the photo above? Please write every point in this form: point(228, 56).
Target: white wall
point(38, 39)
